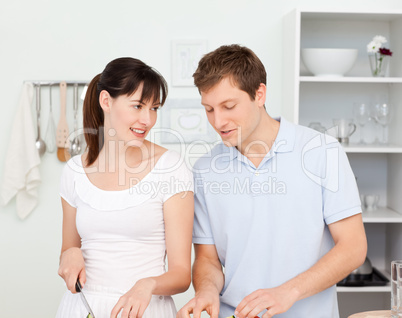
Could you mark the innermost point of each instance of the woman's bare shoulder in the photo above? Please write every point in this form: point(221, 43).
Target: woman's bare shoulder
point(156, 150)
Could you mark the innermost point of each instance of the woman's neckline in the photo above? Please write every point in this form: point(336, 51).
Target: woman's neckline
point(122, 190)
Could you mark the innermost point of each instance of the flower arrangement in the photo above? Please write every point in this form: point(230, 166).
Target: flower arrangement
point(378, 55)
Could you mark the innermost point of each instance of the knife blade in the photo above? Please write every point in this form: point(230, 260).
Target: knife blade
point(78, 288)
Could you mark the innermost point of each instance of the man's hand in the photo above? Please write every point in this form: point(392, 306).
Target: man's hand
point(207, 301)
point(276, 300)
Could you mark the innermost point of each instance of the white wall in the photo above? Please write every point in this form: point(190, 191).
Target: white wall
point(73, 40)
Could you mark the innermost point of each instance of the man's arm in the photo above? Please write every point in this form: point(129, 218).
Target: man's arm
point(208, 280)
point(207, 270)
point(348, 253)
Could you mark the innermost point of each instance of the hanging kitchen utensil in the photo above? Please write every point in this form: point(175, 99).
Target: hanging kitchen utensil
point(50, 135)
point(63, 143)
point(78, 289)
point(81, 134)
point(40, 144)
point(84, 92)
point(75, 146)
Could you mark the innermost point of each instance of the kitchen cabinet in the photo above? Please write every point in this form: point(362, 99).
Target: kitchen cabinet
point(378, 168)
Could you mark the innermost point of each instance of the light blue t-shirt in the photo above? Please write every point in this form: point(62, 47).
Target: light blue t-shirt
point(269, 224)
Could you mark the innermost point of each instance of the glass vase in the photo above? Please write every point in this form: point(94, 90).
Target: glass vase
point(378, 64)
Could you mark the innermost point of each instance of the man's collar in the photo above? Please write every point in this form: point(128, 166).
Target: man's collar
point(285, 140)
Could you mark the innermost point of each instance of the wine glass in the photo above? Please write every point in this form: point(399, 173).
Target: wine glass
point(383, 115)
point(361, 113)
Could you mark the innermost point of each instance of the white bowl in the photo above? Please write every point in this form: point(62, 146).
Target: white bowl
point(329, 62)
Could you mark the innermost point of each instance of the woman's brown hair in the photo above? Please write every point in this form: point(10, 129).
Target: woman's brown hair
point(236, 62)
point(121, 76)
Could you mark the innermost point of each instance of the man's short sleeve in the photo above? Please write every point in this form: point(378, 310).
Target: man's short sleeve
point(339, 189)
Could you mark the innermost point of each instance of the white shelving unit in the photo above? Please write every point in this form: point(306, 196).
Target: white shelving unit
point(356, 148)
point(383, 80)
point(382, 215)
point(378, 168)
point(371, 289)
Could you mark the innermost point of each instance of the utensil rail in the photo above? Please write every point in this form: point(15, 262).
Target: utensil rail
point(51, 83)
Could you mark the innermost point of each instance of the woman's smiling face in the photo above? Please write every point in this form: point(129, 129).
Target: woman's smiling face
point(130, 117)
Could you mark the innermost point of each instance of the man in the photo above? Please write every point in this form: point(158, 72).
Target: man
point(276, 204)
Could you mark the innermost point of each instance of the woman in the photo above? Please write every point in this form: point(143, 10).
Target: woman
point(127, 203)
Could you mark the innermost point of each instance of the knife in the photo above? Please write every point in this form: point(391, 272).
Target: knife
point(78, 288)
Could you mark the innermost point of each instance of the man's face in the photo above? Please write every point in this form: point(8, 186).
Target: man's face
point(231, 112)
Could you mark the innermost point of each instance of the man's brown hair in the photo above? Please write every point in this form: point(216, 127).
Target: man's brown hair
point(237, 62)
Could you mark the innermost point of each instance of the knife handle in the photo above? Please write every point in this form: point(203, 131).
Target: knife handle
point(78, 286)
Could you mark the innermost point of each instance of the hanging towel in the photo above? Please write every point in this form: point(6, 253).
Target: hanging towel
point(21, 173)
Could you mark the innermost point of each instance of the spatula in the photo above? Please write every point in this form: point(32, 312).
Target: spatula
point(63, 144)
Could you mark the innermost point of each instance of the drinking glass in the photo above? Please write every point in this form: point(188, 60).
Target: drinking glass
point(361, 113)
point(383, 115)
point(396, 289)
point(371, 201)
point(345, 128)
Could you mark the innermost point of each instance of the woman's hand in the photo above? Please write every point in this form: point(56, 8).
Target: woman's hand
point(72, 267)
point(203, 301)
point(136, 300)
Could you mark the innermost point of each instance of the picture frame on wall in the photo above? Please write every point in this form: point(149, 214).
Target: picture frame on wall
point(184, 121)
point(185, 57)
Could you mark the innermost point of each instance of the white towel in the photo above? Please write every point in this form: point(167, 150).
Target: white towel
point(21, 173)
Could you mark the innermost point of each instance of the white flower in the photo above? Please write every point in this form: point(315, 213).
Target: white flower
point(373, 47)
point(376, 44)
point(380, 39)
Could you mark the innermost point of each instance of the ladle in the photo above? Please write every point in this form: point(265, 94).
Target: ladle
point(40, 144)
point(50, 135)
